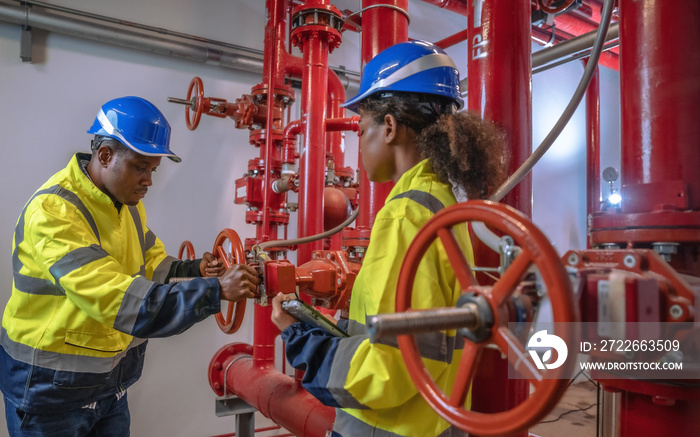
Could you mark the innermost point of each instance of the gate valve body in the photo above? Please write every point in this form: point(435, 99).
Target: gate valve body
point(327, 279)
point(245, 112)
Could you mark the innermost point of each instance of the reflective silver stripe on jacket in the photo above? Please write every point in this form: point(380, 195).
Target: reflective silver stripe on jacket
point(435, 346)
point(150, 240)
point(131, 303)
point(74, 260)
point(142, 239)
point(347, 426)
point(64, 362)
point(161, 272)
point(32, 285)
point(422, 198)
point(339, 371)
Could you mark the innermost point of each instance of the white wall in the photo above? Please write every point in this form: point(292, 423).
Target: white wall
point(46, 107)
point(559, 179)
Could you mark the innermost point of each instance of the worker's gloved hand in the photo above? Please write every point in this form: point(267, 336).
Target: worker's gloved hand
point(280, 317)
point(211, 267)
point(238, 283)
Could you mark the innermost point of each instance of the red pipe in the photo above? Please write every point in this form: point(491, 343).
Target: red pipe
point(499, 54)
point(315, 42)
point(573, 23)
point(381, 28)
point(343, 124)
point(453, 39)
point(659, 73)
point(292, 129)
point(273, 77)
point(277, 396)
point(592, 147)
point(334, 139)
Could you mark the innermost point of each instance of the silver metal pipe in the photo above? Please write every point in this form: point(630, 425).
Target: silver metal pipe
point(415, 322)
point(107, 30)
point(574, 46)
point(609, 417)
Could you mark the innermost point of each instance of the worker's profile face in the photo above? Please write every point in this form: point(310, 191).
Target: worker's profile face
point(129, 175)
point(377, 155)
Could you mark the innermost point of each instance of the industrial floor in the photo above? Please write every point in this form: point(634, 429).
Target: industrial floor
point(574, 416)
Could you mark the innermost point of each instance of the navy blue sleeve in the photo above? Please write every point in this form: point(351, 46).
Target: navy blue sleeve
point(312, 350)
point(170, 309)
point(184, 268)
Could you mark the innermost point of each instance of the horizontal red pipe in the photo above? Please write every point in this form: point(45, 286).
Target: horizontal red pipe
point(452, 39)
point(343, 124)
point(269, 391)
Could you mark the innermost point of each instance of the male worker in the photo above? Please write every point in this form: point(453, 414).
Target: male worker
point(90, 284)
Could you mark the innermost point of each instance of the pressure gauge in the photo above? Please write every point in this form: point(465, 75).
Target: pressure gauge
point(610, 174)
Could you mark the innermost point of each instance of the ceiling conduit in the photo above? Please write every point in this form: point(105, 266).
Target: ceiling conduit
point(107, 30)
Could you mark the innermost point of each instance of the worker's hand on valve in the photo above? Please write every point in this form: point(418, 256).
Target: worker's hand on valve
point(239, 282)
point(280, 317)
point(211, 267)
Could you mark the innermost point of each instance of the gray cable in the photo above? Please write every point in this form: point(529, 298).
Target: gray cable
point(310, 238)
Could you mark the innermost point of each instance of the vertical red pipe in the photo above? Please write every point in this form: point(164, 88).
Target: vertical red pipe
point(315, 42)
point(592, 147)
point(500, 80)
point(659, 78)
point(273, 75)
point(499, 88)
point(381, 28)
point(312, 160)
point(334, 139)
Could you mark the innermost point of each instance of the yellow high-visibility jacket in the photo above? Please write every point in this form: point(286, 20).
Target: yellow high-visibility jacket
point(87, 290)
point(367, 380)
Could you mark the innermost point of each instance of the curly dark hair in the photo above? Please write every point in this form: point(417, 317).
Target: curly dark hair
point(464, 149)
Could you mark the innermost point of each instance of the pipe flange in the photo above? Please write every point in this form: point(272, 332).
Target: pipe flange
point(482, 331)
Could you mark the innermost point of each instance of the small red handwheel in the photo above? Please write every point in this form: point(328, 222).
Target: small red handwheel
point(195, 94)
point(536, 251)
point(186, 248)
point(231, 315)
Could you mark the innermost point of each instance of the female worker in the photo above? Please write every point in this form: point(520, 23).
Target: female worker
point(410, 133)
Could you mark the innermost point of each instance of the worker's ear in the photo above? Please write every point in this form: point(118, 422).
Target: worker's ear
point(391, 126)
point(104, 155)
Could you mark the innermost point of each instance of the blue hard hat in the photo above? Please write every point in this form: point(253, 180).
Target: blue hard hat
point(136, 123)
point(412, 66)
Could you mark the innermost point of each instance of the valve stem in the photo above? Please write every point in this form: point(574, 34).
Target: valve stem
point(414, 322)
point(189, 103)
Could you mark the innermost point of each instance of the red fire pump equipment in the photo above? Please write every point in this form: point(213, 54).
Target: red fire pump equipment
point(651, 241)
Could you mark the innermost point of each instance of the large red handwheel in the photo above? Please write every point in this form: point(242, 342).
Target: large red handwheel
point(549, 384)
point(186, 248)
point(195, 94)
point(231, 315)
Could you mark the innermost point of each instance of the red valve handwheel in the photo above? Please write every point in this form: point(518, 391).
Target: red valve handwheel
point(186, 248)
point(536, 251)
point(231, 321)
point(197, 88)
